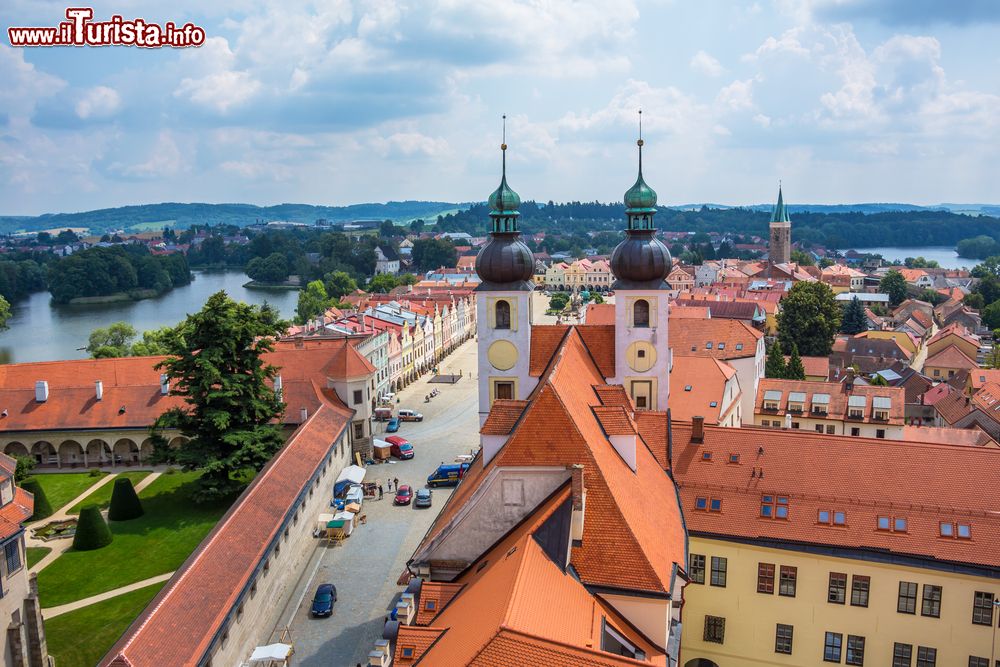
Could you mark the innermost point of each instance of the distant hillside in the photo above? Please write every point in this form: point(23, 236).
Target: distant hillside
point(867, 209)
point(154, 216)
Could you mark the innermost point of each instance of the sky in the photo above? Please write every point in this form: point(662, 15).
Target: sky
point(336, 102)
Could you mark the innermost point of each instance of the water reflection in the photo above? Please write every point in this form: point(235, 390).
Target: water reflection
point(41, 331)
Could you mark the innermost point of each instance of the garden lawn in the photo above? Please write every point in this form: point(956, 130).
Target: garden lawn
point(81, 638)
point(155, 543)
point(60, 488)
point(102, 496)
point(36, 554)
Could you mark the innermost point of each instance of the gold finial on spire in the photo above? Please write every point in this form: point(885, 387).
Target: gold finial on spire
point(503, 140)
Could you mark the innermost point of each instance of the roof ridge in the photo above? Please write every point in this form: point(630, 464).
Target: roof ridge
point(611, 657)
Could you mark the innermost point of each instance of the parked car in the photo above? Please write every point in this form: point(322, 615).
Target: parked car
point(322, 604)
point(393, 425)
point(382, 414)
point(409, 416)
point(400, 447)
point(404, 495)
point(423, 498)
point(447, 474)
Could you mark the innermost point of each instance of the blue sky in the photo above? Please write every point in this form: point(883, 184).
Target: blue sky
point(337, 102)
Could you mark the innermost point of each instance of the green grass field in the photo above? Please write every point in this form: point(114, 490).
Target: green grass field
point(155, 543)
point(151, 226)
point(102, 496)
point(36, 554)
point(81, 638)
point(60, 488)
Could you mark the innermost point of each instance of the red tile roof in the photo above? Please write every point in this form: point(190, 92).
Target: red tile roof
point(695, 384)
point(865, 478)
point(16, 512)
point(953, 406)
point(952, 357)
point(838, 398)
point(600, 313)
point(196, 601)
point(691, 337)
point(503, 415)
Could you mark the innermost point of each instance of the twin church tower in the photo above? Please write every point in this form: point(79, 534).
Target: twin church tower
point(640, 265)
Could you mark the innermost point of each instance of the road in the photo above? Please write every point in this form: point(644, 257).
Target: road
point(365, 568)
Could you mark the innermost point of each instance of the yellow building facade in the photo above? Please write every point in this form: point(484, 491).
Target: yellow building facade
point(749, 634)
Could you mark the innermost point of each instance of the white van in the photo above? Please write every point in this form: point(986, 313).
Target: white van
point(409, 416)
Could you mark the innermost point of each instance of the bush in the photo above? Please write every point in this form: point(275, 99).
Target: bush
point(125, 503)
point(25, 464)
point(170, 471)
point(42, 507)
point(95, 472)
point(92, 530)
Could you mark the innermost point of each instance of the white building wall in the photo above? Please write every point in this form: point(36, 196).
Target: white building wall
point(519, 335)
point(656, 335)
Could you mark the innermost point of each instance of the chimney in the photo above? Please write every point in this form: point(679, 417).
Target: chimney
point(41, 391)
point(788, 420)
point(304, 414)
point(164, 384)
point(99, 390)
point(278, 387)
point(697, 429)
point(579, 500)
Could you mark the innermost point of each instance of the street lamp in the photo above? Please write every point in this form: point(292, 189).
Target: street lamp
point(993, 641)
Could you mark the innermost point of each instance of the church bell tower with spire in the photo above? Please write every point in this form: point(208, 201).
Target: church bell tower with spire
point(640, 265)
point(780, 249)
point(505, 266)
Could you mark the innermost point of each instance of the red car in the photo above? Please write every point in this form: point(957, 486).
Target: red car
point(404, 494)
point(400, 447)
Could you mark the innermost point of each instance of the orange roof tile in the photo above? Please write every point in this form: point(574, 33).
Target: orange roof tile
point(838, 398)
point(544, 341)
point(614, 420)
point(864, 477)
point(417, 639)
point(689, 312)
point(696, 384)
point(692, 338)
point(16, 512)
point(600, 342)
point(503, 415)
point(438, 592)
point(953, 406)
point(600, 313)
point(952, 357)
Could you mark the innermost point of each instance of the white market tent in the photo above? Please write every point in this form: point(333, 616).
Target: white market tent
point(271, 653)
point(353, 474)
point(322, 520)
point(348, 519)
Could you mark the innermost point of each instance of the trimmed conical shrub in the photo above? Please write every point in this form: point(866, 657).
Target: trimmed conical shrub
point(42, 507)
point(92, 530)
point(125, 503)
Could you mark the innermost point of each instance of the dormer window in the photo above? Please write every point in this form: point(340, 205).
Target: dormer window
point(796, 401)
point(821, 404)
point(772, 398)
point(856, 407)
point(774, 507)
point(881, 406)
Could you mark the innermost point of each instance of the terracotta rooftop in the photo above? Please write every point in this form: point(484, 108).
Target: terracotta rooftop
point(924, 484)
point(952, 357)
point(955, 329)
point(978, 378)
point(970, 437)
point(600, 313)
point(814, 366)
point(953, 406)
point(501, 615)
point(16, 512)
point(196, 601)
point(689, 312)
point(718, 338)
point(698, 388)
point(503, 416)
point(834, 395)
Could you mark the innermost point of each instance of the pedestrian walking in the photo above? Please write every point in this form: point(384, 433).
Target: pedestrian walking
point(388, 483)
point(380, 490)
point(395, 480)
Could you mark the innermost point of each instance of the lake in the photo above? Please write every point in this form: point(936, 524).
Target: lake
point(40, 331)
point(943, 255)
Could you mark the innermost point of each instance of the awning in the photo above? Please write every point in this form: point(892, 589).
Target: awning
point(821, 399)
point(352, 474)
point(772, 395)
point(797, 397)
point(271, 652)
point(857, 401)
point(882, 402)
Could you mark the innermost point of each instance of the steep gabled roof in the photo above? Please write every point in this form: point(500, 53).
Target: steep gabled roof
point(952, 357)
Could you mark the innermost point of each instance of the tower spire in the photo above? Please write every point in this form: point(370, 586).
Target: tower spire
point(639, 143)
point(504, 202)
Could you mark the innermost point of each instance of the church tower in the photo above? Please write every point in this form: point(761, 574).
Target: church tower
point(505, 266)
point(780, 250)
point(640, 265)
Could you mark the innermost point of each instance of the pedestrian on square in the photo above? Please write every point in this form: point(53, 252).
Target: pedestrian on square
point(380, 490)
point(388, 483)
point(395, 480)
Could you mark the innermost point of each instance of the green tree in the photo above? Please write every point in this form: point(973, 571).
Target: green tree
point(125, 504)
point(154, 342)
point(231, 415)
point(558, 301)
point(25, 464)
point(802, 258)
point(774, 366)
point(429, 254)
point(854, 321)
point(4, 312)
point(387, 229)
point(43, 508)
point(115, 340)
point(313, 301)
point(991, 315)
point(339, 284)
point(993, 358)
point(794, 370)
point(894, 284)
point(272, 269)
point(92, 530)
point(809, 318)
point(383, 283)
point(877, 380)
point(417, 226)
point(596, 298)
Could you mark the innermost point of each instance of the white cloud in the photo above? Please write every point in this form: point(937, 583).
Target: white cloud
point(24, 84)
point(737, 96)
point(165, 159)
point(410, 144)
point(705, 64)
point(98, 102)
point(218, 85)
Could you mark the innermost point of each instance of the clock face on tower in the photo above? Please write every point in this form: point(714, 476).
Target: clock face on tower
point(640, 356)
point(502, 355)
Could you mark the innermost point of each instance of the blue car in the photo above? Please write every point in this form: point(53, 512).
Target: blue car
point(322, 604)
point(393, 425)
